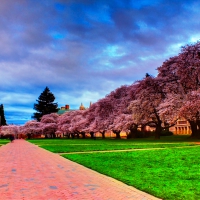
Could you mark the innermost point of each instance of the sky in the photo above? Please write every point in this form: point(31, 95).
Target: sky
point(84, 49)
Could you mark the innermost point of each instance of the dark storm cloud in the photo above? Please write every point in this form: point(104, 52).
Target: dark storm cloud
point(83, 49)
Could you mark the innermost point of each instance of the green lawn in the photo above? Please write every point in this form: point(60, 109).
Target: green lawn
point(4, 141)
point(67, 148)
point(169, 173)
point(85, 145)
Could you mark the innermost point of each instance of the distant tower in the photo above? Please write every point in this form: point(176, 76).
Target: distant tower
point(81, 107)
point(90, 104)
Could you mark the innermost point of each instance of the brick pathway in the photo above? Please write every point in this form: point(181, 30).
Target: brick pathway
point(29, 172)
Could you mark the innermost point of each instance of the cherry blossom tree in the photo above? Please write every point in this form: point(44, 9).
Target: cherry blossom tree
point(181, 77)
point(31, 128)
point(49, 129)
point(66, 123)
point(49, 124)
point(50, 118)
point(104, 112)
point(145, 108)
point(114, 105)
point(170, 107)
point(189, 67)
point(190, 110)
point(9, 130)
point(157, 102)
point(91, 124)
point(63, 123)
point(78, 123)
point(182, 71)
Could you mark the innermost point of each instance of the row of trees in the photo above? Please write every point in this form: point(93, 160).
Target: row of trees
point(154, 101)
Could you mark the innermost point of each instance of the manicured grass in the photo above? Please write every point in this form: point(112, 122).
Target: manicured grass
point(4, 141)
point(171, 174)
point(56, 148)
point(85, 145)
point(166, 139)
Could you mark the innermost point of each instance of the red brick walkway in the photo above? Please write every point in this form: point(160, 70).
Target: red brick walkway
point(29, 172)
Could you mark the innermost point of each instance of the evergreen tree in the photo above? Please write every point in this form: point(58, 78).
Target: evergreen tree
point(45, 104)
point(2, 116)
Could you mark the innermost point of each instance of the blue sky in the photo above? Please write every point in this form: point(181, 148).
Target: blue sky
point(84, 49)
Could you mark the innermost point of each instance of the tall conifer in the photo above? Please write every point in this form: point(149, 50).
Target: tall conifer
point(45, 104)
point(2, 116)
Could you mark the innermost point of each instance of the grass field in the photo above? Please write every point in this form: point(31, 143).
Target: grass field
point(4, 141)
point(169, 173)
point(86, 145)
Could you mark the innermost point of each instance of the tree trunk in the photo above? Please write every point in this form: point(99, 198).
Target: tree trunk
point(158, 131)
point(133, 133)
point(193, 126)
point(117, 134)
point(103, 134)
point(83, 134)
point(52, 135)
point(92, 134)
point(198, 128)
point(73, 135)
point(29, 136)
point(158, 125)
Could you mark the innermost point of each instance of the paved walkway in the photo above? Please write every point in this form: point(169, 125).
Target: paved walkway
point(28, 172)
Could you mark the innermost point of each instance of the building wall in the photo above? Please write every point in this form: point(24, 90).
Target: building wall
point(182, 127)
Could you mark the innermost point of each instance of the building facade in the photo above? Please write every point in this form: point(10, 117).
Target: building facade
point(182, 127)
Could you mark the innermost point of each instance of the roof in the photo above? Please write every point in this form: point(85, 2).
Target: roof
point(60, 112)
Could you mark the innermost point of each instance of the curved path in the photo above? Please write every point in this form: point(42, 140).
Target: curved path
point(30, 172)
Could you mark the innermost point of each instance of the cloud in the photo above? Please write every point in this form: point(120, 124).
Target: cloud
point(84, 49)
